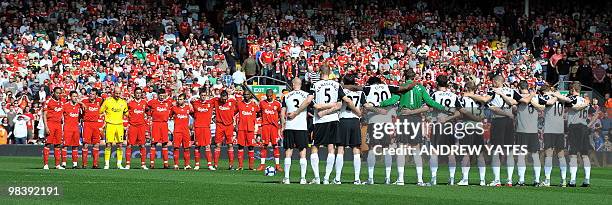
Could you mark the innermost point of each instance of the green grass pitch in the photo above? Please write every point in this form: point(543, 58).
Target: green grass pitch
point(252, 187)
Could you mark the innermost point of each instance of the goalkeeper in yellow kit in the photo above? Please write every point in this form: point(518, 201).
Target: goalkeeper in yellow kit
point(114, 108)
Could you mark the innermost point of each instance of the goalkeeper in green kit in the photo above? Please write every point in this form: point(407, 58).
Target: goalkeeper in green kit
point(411, 106)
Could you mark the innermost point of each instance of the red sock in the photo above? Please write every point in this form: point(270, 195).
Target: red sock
point(186, 157)
point(64, 155)
point(128, 155)
point(240, 158)
point(176, 156)
point(217, 155)
point(276, 152)
point(57, 152)
point(75, 154)
point(264, 152)
point(143, 156)
point(96, 155)
point(251, 159)
point(152, 156)
point(85, 156)
point(230, 153)
point(208, 156)
point(196, 154)
point(46, 156)
point(165, 155)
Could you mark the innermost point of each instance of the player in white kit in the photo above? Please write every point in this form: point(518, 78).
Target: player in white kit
point(350, 130)
point(578, 135)
point(450, 100)
point(295, 131)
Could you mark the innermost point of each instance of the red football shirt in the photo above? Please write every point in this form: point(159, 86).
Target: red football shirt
point(137, 112)
point(71, 115)
point(269, 112)
point(247, 113)
point(54, 109)
point(203, 111)
point(160, 111)
point(92, 110)
point(225, 112)
point(181, 115)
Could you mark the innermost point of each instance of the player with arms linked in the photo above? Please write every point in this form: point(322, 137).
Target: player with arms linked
point(578, 136)
point(295, 130)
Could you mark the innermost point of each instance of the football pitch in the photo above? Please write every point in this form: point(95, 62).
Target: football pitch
point(252, 187)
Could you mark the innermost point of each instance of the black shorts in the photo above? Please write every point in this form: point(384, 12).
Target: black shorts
point(554, 141)
point(377, 137)
point(411, 138)
point(502, 131)
point(295, 139)
point(443, 139)
point(579, 140)
point(531, 140)
point(349, 132)
point(309, 125)
point(326, 133)
point(473, 139)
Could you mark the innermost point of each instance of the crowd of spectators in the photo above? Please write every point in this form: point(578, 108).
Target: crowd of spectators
point(180, 47)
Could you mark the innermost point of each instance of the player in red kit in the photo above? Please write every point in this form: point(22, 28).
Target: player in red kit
point(247, 114)
point(182, 136)
point(52, 118)
point(270, 110)
point(137, 127)
point(72, 113)
point(92, 126)
point(225, 110)
point(160, 113)
point(202, 114)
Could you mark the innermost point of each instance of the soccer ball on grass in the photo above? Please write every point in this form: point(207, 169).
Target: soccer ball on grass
point(270, 171)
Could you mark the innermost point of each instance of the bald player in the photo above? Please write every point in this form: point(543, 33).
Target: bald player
point(295, 130)
point(114, 108)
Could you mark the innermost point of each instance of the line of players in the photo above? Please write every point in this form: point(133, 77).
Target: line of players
point(513, 114)
point(63, 119)
point(338, 109)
